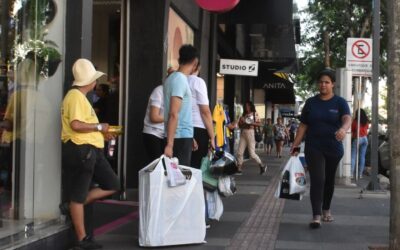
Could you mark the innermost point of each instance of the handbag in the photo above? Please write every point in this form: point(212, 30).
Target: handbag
point(257, 133)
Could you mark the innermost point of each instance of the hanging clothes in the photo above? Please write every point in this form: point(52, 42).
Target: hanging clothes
point(219, 125)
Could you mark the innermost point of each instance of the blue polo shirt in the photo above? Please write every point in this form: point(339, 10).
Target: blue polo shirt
point(323, 118)
point(177, 85)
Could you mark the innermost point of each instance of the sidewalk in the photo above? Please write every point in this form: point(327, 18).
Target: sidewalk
point(254, 219)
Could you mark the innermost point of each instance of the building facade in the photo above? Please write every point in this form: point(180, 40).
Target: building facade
point(134, 42)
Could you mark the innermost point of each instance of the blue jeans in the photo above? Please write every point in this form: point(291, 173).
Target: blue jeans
point(363, 143)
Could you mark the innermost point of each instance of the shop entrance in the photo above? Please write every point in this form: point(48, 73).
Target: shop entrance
point(108, 55)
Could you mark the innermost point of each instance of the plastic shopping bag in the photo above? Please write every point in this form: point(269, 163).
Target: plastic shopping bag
point(170, 216)
point(297, 176)
point(226, 186)
point(290, 173)
point(210, 183)
point(215, 207)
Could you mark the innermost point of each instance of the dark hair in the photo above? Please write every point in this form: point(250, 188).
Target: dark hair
point(363, 117)
point(187, 53)
point(105, 88)
point(329, 73)
point(252, 107)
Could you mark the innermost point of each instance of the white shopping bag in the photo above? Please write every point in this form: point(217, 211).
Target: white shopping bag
point(226, 185)
point(170, 215)
point(215, 207)
point(297, 176)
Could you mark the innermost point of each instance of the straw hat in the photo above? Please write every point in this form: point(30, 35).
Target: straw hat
point(84, 73)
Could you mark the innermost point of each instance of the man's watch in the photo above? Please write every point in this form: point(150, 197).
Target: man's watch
point(99, 127)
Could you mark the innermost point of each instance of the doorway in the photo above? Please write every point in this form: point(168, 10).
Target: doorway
point(109, 56)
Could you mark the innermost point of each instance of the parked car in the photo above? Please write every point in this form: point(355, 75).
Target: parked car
point(383, 154)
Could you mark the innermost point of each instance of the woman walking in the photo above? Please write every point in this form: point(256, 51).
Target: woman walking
point(325, 119)
point(247, 122)
point(280, 134)
point(362, 143)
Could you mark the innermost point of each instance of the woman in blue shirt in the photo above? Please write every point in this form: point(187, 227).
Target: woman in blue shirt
point(325, 119)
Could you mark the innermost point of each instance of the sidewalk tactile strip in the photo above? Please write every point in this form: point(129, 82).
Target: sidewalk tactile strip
point(260, 230)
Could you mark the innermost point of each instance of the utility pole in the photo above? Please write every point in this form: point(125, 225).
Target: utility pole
point(394, 120)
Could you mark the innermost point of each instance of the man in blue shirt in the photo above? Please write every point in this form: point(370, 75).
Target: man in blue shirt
point(178, 107)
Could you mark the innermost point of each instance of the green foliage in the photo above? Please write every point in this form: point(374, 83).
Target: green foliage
point(341, 19)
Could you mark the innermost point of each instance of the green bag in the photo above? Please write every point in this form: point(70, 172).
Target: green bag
point(210, 183)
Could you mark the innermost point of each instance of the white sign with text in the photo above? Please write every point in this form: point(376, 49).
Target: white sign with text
point(238, 67)
point(359, 56)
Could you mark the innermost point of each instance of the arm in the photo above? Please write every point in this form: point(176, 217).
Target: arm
point(155, 116)
point(175, 106)
point(346, 124)
point(83, 127)
point(207, 120)
point(301, 131)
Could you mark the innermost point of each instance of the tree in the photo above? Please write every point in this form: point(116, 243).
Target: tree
point(328, 25)
point(394, 120)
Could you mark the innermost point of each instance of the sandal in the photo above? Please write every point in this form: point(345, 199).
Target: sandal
point(327, 218)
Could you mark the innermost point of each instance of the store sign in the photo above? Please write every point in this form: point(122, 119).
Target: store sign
point(359, 56)
point(238, 67)
point(287, 113)
point(276, 85)
point(217, 5)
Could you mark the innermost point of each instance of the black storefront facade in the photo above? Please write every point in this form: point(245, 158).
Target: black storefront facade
point(135, 46)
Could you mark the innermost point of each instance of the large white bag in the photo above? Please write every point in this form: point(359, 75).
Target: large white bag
point(170, 215)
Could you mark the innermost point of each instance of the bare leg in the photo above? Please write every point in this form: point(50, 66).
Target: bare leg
point(97, 193)
point(77, 217)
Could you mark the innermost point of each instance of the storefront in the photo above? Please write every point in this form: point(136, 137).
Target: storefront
point(134, 42)
point(32, 47)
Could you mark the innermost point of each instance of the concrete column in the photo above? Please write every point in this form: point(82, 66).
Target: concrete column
point(343, 88)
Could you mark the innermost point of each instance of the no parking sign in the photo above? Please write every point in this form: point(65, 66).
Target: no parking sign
point(359, 56)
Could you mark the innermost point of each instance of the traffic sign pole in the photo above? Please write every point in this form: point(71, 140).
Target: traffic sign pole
point(374, 185)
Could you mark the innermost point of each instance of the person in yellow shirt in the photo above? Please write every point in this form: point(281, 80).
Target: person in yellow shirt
point(82, 152)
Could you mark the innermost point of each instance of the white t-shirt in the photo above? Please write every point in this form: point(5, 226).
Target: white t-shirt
point(199, 97)
point(156, 99)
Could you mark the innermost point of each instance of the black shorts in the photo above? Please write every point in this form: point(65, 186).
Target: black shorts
point(84, 164)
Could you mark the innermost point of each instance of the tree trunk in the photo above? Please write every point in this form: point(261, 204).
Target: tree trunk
point(394, 119)
point(327, 60)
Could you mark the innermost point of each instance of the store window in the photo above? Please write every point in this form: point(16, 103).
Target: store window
point(179, 33)
point(31, 40)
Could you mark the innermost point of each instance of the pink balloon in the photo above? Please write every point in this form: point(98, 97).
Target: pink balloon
point(217, 5)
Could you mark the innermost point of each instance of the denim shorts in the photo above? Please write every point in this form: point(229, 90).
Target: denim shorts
point(85, 165)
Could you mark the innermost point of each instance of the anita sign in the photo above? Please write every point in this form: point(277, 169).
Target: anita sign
point(217, 5)
point(238, 67)
point(275, 85)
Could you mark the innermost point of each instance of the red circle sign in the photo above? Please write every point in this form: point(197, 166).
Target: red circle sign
point(360, 49)
point(217, 5)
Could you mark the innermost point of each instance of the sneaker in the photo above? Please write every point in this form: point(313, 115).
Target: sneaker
point(208, 225)
point(263, 168)
point(88, 243)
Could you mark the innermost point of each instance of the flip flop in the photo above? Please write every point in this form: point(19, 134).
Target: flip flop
point(327, 218)
point(315, 224)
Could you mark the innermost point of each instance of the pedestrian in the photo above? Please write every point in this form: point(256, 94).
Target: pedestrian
point(280, 135)
point(82, 150)
point(201, 116)
point(178, 108)
point(362, 144)
point(268, 131)
point(247, 123)
point(292, 132)
point(100, 106)
point(325, 118)
point(153, 128)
